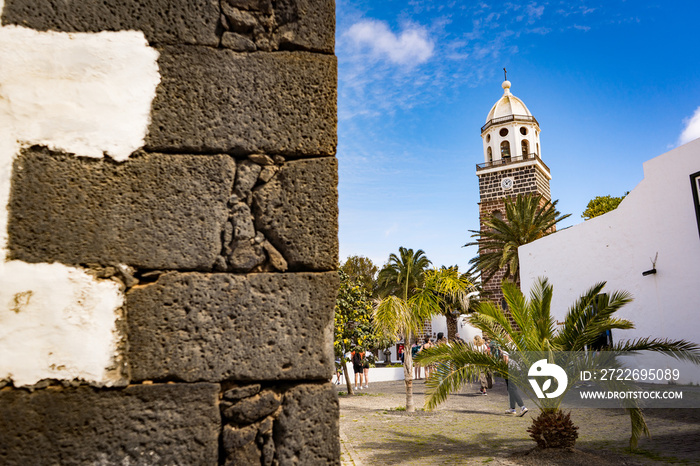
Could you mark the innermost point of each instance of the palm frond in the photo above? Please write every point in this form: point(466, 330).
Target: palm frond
point(424, 304)
point(518, 309)
point(527, 218)
point(589, 316)
point(540, 302)
point(639, 426)
point(457, 364)
point(681, 350)
point(491, 327)
point(392, 316)
point(403, 273)
point(445, 380)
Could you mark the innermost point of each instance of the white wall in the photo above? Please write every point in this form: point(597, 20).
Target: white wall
point(658, 216)
point(89, 95)
point(467, 332)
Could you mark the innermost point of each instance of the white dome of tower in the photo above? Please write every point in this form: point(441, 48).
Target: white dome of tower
point(511, 134)
point(507, 105)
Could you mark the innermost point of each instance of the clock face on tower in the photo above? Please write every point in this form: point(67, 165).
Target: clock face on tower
point(506, 183)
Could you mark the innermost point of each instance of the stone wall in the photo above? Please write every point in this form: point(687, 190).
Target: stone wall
point(526, 180)
point(169, 280)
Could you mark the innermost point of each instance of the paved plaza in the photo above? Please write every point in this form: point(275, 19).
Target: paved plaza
point(473, 429)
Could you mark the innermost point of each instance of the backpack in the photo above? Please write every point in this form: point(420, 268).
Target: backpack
point(495, 349)
point(414, 350)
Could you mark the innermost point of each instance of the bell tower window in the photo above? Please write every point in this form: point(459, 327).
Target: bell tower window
point(505, 149)
point(525, 148)
point(489, 154)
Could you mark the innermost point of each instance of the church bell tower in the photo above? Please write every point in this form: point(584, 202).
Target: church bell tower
point(512, 164)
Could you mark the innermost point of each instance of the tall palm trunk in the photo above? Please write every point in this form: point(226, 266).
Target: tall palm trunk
point(408, 372)
point(451, 326)
point(347, 376)
point(408, 361)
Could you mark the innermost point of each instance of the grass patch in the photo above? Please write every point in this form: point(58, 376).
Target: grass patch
point(398, 408)
point(402, 409)
point(656, 457)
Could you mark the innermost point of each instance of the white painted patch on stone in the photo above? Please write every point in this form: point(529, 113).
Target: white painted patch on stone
point(87, 94)
point(90, 95)
point(57, 322)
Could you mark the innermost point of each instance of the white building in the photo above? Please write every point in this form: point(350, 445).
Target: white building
point(656, 229)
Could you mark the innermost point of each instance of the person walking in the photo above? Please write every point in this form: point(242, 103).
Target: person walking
point(429, 367)
point(338, 371)
point(480, 346)
point(489, 374)
point(415, 349)
point(357, 367)
point(514, 397)
point(365, 371)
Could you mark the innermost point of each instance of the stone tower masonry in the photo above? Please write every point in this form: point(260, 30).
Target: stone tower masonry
point(512, 165)
point(168, 232)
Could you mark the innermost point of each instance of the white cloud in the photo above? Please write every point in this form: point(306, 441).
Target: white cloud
point(384, 70)
point(692, 128)
point(411, 47)
point(534, 12)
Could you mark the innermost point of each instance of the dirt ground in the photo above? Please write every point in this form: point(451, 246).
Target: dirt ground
point(473, 429)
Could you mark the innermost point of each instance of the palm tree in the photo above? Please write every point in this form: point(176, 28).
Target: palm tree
point(531, 328)
point(452, 308)
point(403, 273)
point(405, 316)
point(527, 218)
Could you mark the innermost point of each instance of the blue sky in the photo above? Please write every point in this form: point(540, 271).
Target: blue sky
point(612, 84)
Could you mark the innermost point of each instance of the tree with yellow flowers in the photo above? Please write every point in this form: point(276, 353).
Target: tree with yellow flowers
point(353, 322)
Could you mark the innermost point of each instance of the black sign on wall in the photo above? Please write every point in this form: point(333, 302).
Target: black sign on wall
point(695, 185)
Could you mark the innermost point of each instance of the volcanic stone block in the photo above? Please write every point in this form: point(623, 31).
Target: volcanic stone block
point(214, 327)
point(216, 100)
point(138, 425)
point(245, 391)
point(310, 24)
point(162, 21)
point(152, 211)
point(298, 213)
point(286, 24)
point(307, 429)
point(254, 408)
